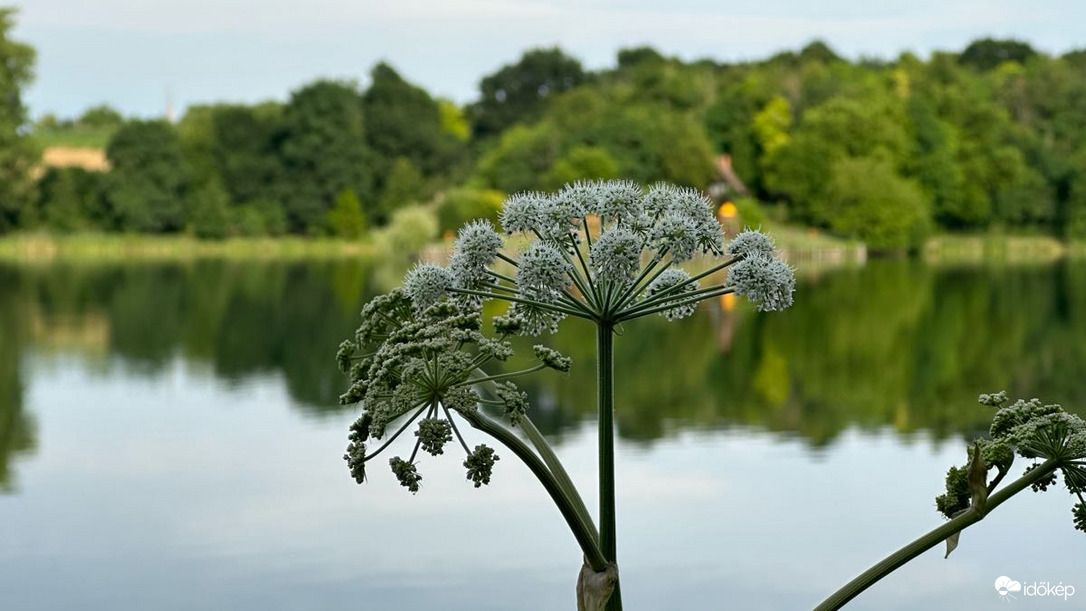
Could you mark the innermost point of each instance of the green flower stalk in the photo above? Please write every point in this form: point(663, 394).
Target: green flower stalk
point(420, 352)
point(1047, 435)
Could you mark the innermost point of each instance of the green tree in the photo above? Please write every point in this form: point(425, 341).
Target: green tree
point(867, 199)
point(150, 178)
point(580, 163)
point(101, 116)
point(404, 185)
point(70, 199)
point(517, 93)
point(345, 219)
point(520, 159)
point(771, 125)
point(323, 150)
point(465, 204)
point(403, 121)
point(802, 169)
point(988, 53)
point(17, 153)
point(209, 214)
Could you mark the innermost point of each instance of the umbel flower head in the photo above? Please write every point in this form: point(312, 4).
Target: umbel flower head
point(1029, 429)
point(607, 251)
point(418, 357)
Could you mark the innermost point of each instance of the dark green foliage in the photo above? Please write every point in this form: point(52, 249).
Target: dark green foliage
point(209, 215)
point(517, 92)
point(402, 186)
point(991, 138)
point(988, 53)
point(324, 151)
point(150, 178)
point(17, 153)
point(71, 199)
point(404, 122)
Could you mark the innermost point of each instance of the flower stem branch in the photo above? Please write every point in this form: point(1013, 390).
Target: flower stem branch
point(584, 533)
point(635, 313)
point(967, 518)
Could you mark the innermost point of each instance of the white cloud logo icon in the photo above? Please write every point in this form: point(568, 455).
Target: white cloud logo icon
point(1005, 585)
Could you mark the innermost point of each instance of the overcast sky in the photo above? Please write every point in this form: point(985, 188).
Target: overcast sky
point(130, 53)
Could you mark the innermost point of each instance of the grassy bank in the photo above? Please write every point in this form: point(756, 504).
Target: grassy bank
point(956, 248)
point(33, 248)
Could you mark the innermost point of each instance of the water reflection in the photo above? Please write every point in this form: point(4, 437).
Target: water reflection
point(895, 344)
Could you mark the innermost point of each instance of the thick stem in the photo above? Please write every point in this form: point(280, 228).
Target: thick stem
point(605, 404)
point(966, 519)
point(551, 460)
point(584, 533)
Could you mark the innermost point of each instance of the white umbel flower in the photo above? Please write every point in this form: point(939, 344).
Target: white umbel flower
point(543, 272)
point(765, 281)
point(616, 255)
point(426, 284)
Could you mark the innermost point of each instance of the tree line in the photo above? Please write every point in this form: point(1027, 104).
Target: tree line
point(992, 138)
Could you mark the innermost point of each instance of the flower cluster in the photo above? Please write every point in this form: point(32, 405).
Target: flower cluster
point(606, 251)
point(1032, 430)
point(418, 356)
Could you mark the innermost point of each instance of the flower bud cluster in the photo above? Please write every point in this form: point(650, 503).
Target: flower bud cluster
point(480, 464)
point(433, 434)
point(1032, 430)
point(552, 358)
point(406, 473)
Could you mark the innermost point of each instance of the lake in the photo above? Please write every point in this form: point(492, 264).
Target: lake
point(170, 439)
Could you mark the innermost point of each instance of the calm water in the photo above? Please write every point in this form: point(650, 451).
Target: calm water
point(169, 439)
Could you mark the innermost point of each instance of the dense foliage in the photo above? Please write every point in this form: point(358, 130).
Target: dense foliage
point(992, 138)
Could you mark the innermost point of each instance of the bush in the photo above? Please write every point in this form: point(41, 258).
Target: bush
point(465, 204)
point(409, 230)
point(866, 199)
point(345, 219)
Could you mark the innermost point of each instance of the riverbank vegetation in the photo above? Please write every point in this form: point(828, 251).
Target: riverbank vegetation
point(883, 151)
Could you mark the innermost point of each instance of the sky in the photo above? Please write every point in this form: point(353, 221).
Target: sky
point(137, 54)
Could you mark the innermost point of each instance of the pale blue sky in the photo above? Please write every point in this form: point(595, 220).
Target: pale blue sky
point(129, 53)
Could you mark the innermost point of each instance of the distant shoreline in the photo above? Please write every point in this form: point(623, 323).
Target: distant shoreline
point(806, 248)
point(97, 247)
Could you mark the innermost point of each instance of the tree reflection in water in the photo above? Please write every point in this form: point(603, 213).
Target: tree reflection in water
point(895, 344)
